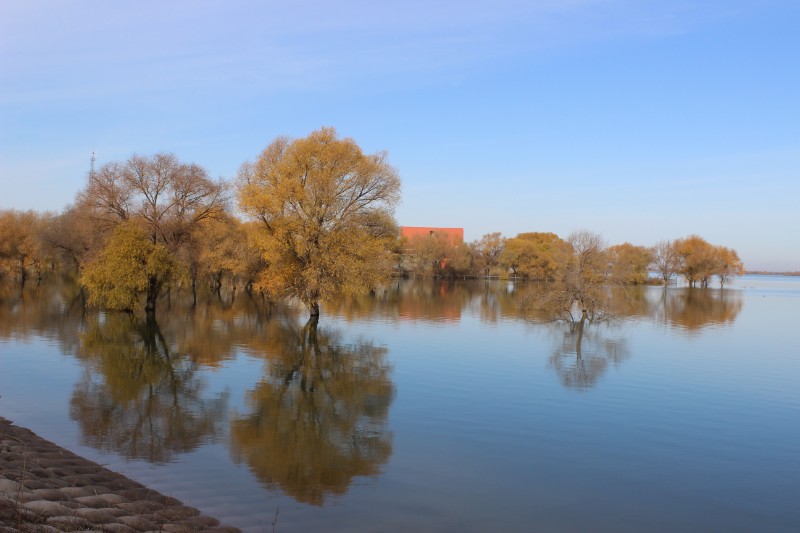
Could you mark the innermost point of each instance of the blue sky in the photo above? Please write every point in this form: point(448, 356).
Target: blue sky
point(640, 120)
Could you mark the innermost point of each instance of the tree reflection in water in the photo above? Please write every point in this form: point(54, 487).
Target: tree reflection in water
point(318, 416)
point(584, 354)
point(693, 309)
point(137, 397)
point(142, 394)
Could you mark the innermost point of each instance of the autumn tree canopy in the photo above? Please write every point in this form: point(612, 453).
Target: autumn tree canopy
point(697, 260)
point(166, 200)
point(437, 255)
point(535, 255)
point(630, 264)
point(20, 243)
point(727, 264)
point(129, 266)
point(73, 238)
point(326, 212)
point(487, 251)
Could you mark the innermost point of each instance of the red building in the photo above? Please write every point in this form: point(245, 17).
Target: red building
point(455, 235)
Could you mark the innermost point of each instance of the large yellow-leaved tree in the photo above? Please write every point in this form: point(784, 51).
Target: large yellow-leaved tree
point(326, 212)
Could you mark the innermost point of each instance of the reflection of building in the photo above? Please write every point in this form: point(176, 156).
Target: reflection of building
point(437, 301)
point(454, 235)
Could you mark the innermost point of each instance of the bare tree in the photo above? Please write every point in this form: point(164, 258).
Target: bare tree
point(162, 194)
point(580, 295)
point(665, 260)
point(487, 251)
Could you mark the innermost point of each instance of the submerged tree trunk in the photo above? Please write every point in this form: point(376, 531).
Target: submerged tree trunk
point(153, 288)
point(311, 332)
point(23, 274)
point(578, 329)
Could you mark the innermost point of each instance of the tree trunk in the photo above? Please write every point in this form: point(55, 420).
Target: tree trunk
point(579, 337)
point(23, 274)
point(153, 288)
point(313, 309)
point(311, 332)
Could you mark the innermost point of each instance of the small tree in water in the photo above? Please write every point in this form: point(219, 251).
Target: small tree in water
point(579, 294)
point(326, 212)
point(129, 266)
point(584, 277)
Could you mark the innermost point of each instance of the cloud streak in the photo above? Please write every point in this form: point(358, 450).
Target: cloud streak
point(94, 49)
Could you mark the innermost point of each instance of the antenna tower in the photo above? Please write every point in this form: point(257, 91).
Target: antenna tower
point(91, 169)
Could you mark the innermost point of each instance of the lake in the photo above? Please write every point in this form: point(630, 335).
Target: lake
point(429, 406)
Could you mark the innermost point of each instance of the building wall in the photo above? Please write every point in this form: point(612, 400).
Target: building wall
point(456, 235)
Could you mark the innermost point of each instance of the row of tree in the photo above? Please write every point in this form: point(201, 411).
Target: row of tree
point(319, 224)
point(548, 257)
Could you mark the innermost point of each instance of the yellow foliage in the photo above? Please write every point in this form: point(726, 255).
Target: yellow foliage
point(326, 212)
point(21, 247)
point(439, 255)
point(129, 265)
point(536, 255)
point(630, 264)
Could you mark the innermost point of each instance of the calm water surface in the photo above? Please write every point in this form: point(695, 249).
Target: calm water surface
point(431, 407)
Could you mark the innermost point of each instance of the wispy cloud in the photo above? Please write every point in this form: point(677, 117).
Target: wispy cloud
point(87, 50)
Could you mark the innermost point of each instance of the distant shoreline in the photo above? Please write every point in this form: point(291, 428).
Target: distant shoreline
point(766, 273)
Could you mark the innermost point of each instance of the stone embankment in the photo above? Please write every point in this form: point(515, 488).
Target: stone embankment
point(45, 488)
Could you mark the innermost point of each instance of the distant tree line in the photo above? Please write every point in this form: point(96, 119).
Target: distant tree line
point(539, 256)
point(319, 224)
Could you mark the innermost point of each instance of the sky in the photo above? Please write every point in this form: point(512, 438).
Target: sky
point(639, 120)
